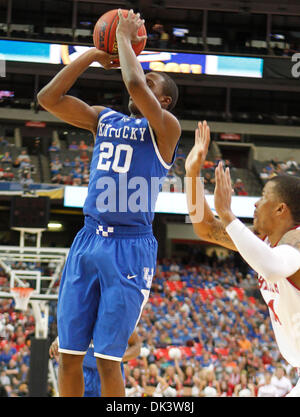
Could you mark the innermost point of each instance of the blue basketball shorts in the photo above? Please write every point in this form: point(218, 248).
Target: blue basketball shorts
point(105, 284)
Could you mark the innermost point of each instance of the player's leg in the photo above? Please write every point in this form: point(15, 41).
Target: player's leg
point(76, 313)
point(92, 385)
point(125, 282)
point(112, 382)
point(70, 375)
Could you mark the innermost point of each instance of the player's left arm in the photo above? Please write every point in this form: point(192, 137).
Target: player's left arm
point(134, 347)
point(164, 124)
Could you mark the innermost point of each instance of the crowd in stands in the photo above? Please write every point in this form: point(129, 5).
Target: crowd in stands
point(276, 167)
point(15, 164)
point(71, 166)
point(16, 330)
point(175, 177)
point(205, 331)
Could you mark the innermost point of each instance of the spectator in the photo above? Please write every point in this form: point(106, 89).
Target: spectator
point(55, 166)
point(22, 390)
point(281, 382)
point(82, 145)
point(218, 159)
point(292, 164)
point(225, 390)
point(26, 179)
point(57, 179)
point(77, 173)
point(155, 385)
point(208, 165)
point(209, 182)
point(180, 154)
point(85, 177)
point(172, 183)
point(84, 157)
point(6, 158)
point(239, 187)
point(23, 156)
point(228, 164)
point(163, 39)
point(54, 147)
point(3, 142)
point(77, 181)
point(136, 384)
point(7, 353)
point(67, 180)
point(67, 163)
point(173, 380)
point(244, 388)
point(4, 379)
point(73, 146)
point(266, 389)
point(210, 381)
point(265, 174)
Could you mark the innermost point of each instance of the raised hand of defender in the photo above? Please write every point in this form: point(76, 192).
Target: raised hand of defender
point(129, 26)
point(197, 155)
point(223, 193)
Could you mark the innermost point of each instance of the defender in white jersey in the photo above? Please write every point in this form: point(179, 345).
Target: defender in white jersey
point(271, 247)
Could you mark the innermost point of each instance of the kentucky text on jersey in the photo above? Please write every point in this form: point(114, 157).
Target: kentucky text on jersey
point(126, 132)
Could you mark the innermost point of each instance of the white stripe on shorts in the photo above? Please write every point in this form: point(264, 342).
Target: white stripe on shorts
point(72, 352)
point(112, 358)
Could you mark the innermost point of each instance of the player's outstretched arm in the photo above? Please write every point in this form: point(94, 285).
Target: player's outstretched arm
point(208, 228)
point(164, 124)
point(53, 97)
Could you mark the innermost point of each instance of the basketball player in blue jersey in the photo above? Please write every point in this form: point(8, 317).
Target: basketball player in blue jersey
point(92, 383)
point(107, 277)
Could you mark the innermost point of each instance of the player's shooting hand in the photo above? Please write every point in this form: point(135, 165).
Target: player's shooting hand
point(108, 61)
point(197, 155)
point(223, 193)
point(53, 350)
point(128, 26)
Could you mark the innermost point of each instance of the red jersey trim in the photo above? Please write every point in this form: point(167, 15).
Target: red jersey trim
point(293, 228)
point(294, 285)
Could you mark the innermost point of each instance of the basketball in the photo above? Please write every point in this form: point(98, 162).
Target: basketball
point(104, 35)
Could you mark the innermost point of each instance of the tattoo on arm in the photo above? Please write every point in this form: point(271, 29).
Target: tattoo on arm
point(218, 234)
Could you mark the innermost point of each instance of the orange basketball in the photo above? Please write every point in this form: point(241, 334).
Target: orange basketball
point(105, 33)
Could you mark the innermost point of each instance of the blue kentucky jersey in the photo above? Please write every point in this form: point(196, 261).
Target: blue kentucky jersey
point(126, 172)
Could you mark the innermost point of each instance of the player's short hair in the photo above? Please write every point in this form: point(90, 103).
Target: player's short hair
point(287, 188)
point(170, 89)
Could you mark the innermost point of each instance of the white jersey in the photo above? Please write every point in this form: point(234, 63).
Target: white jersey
point(283, 300)
point(282, 385)
point(267, 391)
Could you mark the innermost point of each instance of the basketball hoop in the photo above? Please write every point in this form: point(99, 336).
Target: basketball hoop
point(21, 296)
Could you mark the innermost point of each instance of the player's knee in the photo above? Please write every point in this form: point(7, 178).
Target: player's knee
point(108, 367)
point(70, 363)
